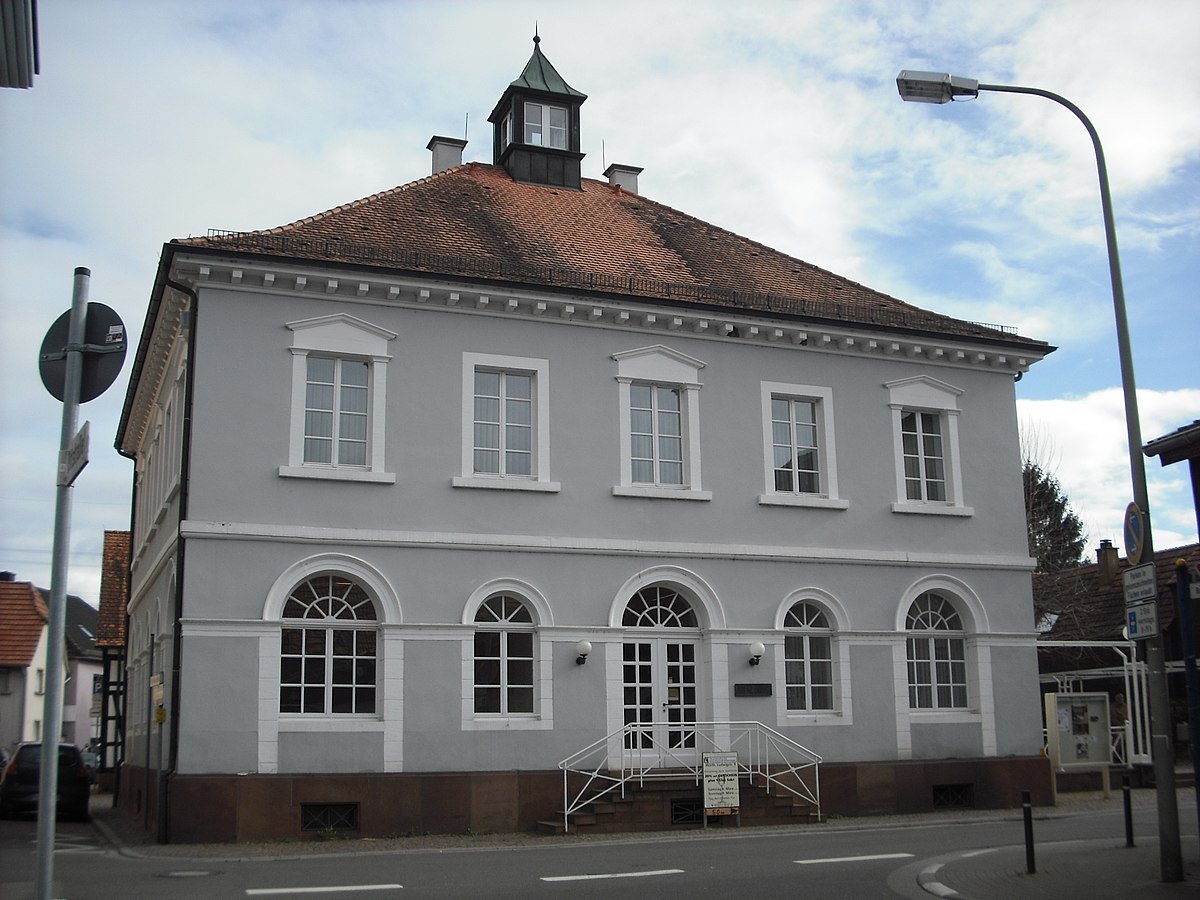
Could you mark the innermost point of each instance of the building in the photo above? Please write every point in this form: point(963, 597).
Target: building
point(110, 639)
point(23, 644)
point(441, 486)
point(81, 691)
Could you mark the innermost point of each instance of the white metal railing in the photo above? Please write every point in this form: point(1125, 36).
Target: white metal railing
point(640, 754)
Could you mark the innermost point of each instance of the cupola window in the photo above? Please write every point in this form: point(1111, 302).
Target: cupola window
point(546, 125)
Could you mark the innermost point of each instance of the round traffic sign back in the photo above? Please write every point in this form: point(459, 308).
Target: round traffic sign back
point(104, 331)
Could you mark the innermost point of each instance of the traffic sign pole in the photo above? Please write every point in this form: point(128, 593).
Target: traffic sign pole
point(52, 707)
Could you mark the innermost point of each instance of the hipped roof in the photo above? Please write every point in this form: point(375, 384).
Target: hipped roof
point(474, 221)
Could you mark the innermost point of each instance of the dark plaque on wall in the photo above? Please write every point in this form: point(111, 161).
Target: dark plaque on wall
point(752, 690)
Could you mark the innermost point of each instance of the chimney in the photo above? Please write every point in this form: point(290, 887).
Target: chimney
point(1106, 559)
point(8, 576)
point(624, 177)
point(447, 152)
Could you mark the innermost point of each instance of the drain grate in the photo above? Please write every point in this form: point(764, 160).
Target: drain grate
point(329, 817)
point(954, 796)
point(687, 812)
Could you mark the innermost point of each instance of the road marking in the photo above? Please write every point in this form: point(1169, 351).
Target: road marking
point(612, 875)
point(332, 889)
point(842, 859)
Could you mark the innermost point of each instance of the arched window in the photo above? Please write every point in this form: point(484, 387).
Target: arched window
point(328, 655)
point(658, 607)
point(504, 657)
point(937, 668)
point(808, 656)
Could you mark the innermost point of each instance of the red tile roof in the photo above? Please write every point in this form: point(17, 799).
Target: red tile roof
point(1090, 606)
point(475, 221)
point(114, 589)
point(23, 616)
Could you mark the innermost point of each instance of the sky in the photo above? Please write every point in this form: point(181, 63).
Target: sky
point(158, 119)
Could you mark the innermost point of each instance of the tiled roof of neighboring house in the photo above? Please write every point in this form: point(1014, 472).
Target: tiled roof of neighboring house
point(114, 590)
point(1089, 601)
point(23, 615)
point(474, 221)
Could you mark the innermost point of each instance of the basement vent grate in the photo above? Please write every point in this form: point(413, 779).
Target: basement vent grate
point(954, 796)
point(329, 817)
point(687, 812)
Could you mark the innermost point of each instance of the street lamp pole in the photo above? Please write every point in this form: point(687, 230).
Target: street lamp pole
point(940, 87)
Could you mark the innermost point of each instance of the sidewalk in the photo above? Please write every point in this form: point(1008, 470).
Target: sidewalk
point(1094, 869)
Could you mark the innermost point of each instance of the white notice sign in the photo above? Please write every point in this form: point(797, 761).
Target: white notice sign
point(721, 783)
point(1141, 583)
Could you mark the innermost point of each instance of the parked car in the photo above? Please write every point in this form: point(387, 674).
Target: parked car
point(91, 761)
point(21, 782)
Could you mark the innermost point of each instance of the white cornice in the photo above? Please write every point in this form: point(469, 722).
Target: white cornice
point(532, 543)
point(647, 317)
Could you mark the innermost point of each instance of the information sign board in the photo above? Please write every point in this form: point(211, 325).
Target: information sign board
point(1141, 583)
point(721, 795)
point(1141, 619)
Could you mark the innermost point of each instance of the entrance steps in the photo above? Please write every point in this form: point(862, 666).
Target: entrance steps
point(678, 803)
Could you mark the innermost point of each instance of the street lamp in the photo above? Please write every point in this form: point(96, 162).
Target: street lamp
point(942, 87)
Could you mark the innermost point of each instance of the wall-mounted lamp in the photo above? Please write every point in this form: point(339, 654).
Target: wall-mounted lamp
point(756, 651)
point(583, 648)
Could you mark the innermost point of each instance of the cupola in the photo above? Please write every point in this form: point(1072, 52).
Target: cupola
point(536, 126)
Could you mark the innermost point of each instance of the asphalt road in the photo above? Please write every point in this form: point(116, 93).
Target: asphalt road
point(841, 859)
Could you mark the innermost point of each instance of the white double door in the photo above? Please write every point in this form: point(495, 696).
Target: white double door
point(661, 697)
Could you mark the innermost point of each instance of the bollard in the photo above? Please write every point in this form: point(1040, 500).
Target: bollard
point(1128, 811)
point(1027, 808)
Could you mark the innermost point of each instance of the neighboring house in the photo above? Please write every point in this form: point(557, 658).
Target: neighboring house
point(81, 693)
point(23, 644)
point(398, 461)
point(110, 639)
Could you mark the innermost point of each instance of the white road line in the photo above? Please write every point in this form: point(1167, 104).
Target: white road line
point(841, 859)
point(331, 889)
point(612, 875)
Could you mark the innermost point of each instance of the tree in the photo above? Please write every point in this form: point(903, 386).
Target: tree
point(1056, 538)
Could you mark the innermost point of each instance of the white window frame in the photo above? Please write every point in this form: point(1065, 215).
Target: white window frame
point(664, 367)
point(344, 337)
point(539, 479)
point(542, 718)
point(544, 128)
point(827, 496)
point(843, 689)
point(922, 394)
point(930, 638)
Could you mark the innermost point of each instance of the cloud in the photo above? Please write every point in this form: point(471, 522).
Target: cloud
point(1082, 442)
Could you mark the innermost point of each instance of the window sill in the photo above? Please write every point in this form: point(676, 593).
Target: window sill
point(294, 722)
point(930, 509)
point(943, 716)
point(333, 474)
point(501, 723)
point(660, 493)
point(810, 501)
point(825, 717)
point(503, 483)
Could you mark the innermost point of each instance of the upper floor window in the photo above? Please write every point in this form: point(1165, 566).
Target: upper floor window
point(798, 446)
point(339, 400)
point(937, 668)
point(335, 412)
point(328, 649)
point(655, 434)
point(504, 657)
point(546, 125)
point(659, 410)
point(505, 423)
point(924, 456)
point(926, 448)
point(808, 658)
point(503, 429)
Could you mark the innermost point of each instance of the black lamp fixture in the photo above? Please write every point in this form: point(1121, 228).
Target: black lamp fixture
point(756, 652)
point(582, 649)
